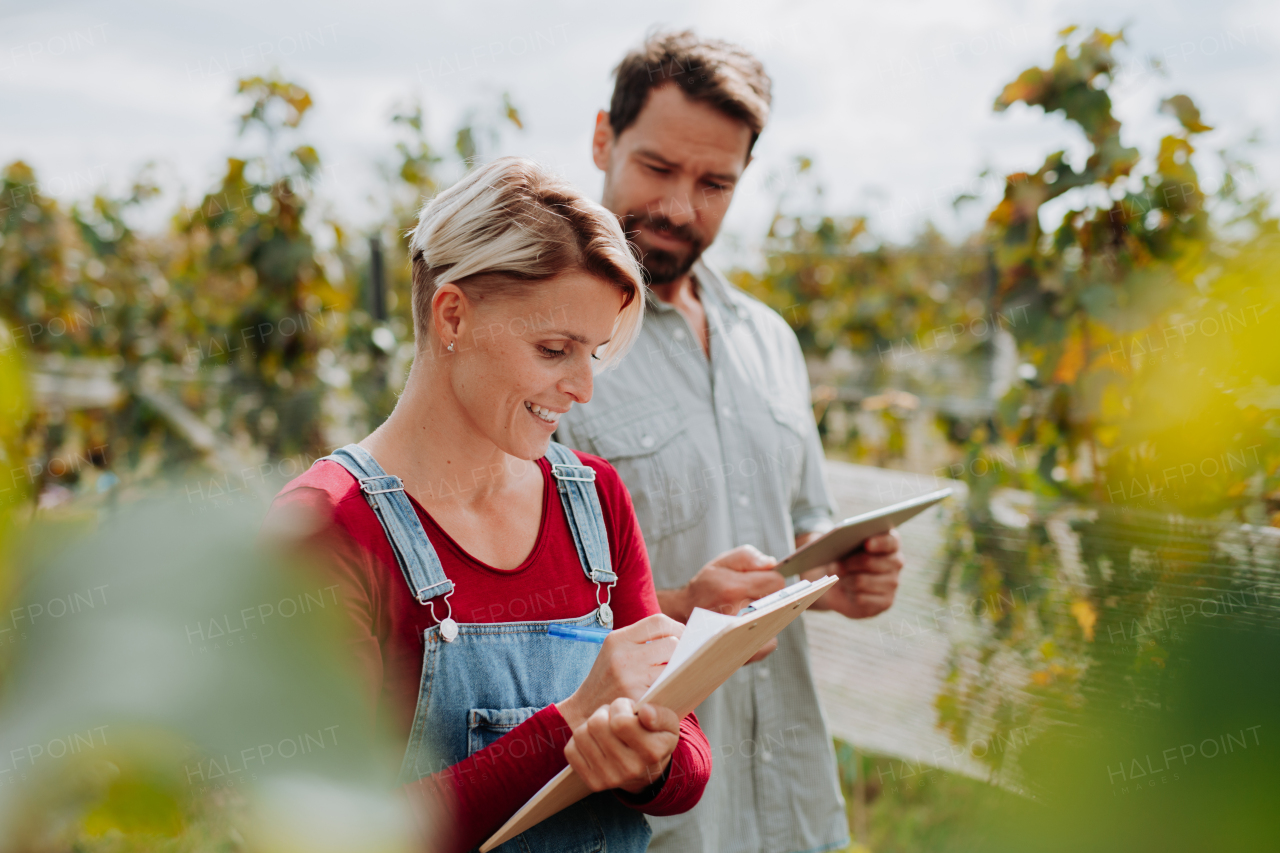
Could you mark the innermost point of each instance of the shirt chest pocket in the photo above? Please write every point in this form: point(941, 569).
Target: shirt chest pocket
point(791, 427)
point(659, 463)
point(787, 414)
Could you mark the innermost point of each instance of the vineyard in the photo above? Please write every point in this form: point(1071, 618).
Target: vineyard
point(1097, 365)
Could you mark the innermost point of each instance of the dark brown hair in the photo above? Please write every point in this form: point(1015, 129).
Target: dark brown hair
point(715, 72)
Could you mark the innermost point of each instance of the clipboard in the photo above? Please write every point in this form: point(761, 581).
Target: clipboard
point(681, 687)
point(852, 532)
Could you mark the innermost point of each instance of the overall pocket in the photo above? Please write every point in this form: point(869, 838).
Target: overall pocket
point(577, 829)
point(486, 725)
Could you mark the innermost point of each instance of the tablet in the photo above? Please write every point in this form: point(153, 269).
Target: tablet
point(852, 532)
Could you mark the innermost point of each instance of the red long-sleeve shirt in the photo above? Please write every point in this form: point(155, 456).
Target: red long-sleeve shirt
point(482, 791)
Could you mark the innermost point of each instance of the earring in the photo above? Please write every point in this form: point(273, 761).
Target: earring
point(450, 347)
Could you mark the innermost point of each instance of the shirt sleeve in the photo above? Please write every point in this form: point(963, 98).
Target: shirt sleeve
point(812, 510)
point(466, 803)
point(339, 559)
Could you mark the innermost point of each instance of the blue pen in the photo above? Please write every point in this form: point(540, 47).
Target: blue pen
point(573, 632)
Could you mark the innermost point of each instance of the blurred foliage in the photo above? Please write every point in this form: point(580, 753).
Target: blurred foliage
point(837, 291)
point(1148, 363)
point(1191, 773)
point(13, 413)
point(184, 683)
point(909, 806)
point(1143, 394)
point(1140, 416)
point(157, 388)
point(1132, 288)
point(245, 332)
point(263, 304)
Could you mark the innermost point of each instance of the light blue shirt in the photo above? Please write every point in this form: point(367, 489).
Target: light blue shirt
point(717, 453)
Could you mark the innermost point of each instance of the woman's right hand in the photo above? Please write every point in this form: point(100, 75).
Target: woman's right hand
point(629, 661)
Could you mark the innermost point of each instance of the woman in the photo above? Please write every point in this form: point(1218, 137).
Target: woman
point(461, 532)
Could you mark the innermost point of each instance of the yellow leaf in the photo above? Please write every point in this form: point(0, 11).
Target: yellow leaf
point(1086, 616)
point(1072, 361)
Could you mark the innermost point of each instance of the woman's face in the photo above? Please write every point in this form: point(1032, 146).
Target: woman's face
point(522, 359)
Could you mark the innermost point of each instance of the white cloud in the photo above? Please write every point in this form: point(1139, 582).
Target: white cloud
point(892, 100)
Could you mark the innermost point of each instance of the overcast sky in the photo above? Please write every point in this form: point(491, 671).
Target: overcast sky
point(892, 100)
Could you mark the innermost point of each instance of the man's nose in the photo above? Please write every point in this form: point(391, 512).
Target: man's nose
point(679, 207)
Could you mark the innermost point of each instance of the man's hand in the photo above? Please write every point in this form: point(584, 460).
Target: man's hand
point(623, 746)
point(868, 577)
point(727, 584)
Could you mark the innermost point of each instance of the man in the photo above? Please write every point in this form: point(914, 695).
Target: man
point(708, 420)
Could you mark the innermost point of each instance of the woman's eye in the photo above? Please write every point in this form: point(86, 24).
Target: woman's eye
point(549, 352)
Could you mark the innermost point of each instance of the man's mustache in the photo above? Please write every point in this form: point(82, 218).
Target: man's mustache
point(660, 224)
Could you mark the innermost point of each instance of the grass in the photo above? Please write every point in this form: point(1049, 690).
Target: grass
point(909, 808)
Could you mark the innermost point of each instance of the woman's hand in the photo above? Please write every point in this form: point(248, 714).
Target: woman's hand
point(622, 746)
point(630, 661)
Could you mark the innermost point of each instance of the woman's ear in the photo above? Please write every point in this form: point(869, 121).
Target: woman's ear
point(450, 313)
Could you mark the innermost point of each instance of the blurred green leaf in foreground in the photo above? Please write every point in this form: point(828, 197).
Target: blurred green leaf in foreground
point(179, 683)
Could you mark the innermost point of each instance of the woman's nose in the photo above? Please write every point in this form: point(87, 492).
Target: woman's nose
point(578, 384)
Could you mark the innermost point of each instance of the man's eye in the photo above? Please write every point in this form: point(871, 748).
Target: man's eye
point(659, 169)
point(549, 352)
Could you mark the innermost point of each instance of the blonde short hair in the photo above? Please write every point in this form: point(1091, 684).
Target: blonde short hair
point(511, 224)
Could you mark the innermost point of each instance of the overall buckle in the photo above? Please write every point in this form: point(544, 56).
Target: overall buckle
point(369, 490)
point(557, 467)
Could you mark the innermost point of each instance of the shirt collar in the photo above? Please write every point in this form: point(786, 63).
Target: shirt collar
point(709, 285)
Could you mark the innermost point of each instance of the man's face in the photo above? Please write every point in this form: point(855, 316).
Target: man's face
point(670, 177)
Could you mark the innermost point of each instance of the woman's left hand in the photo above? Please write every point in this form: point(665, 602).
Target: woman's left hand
point(624, 746)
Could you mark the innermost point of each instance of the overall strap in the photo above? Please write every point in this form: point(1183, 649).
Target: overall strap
point(576, 484)
point(385, 493)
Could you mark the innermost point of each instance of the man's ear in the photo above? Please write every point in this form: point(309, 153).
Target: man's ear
point(602, 141)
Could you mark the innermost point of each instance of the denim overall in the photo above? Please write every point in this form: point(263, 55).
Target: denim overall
point(481, 680)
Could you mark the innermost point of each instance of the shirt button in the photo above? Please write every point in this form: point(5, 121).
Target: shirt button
point(647, 441)
point(728, 412)
point(764, 671)
point(679, 334)
point(766, 757)
point(743, 500)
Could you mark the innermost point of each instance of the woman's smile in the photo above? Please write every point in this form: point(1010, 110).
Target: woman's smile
point(546, 416)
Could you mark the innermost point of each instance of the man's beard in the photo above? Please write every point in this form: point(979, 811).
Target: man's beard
point(663, 265)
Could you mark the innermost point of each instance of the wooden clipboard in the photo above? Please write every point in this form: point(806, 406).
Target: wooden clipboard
point(681, 690)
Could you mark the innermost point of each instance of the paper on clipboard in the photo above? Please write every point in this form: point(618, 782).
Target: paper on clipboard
point(701, 627)
point(715, 646)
